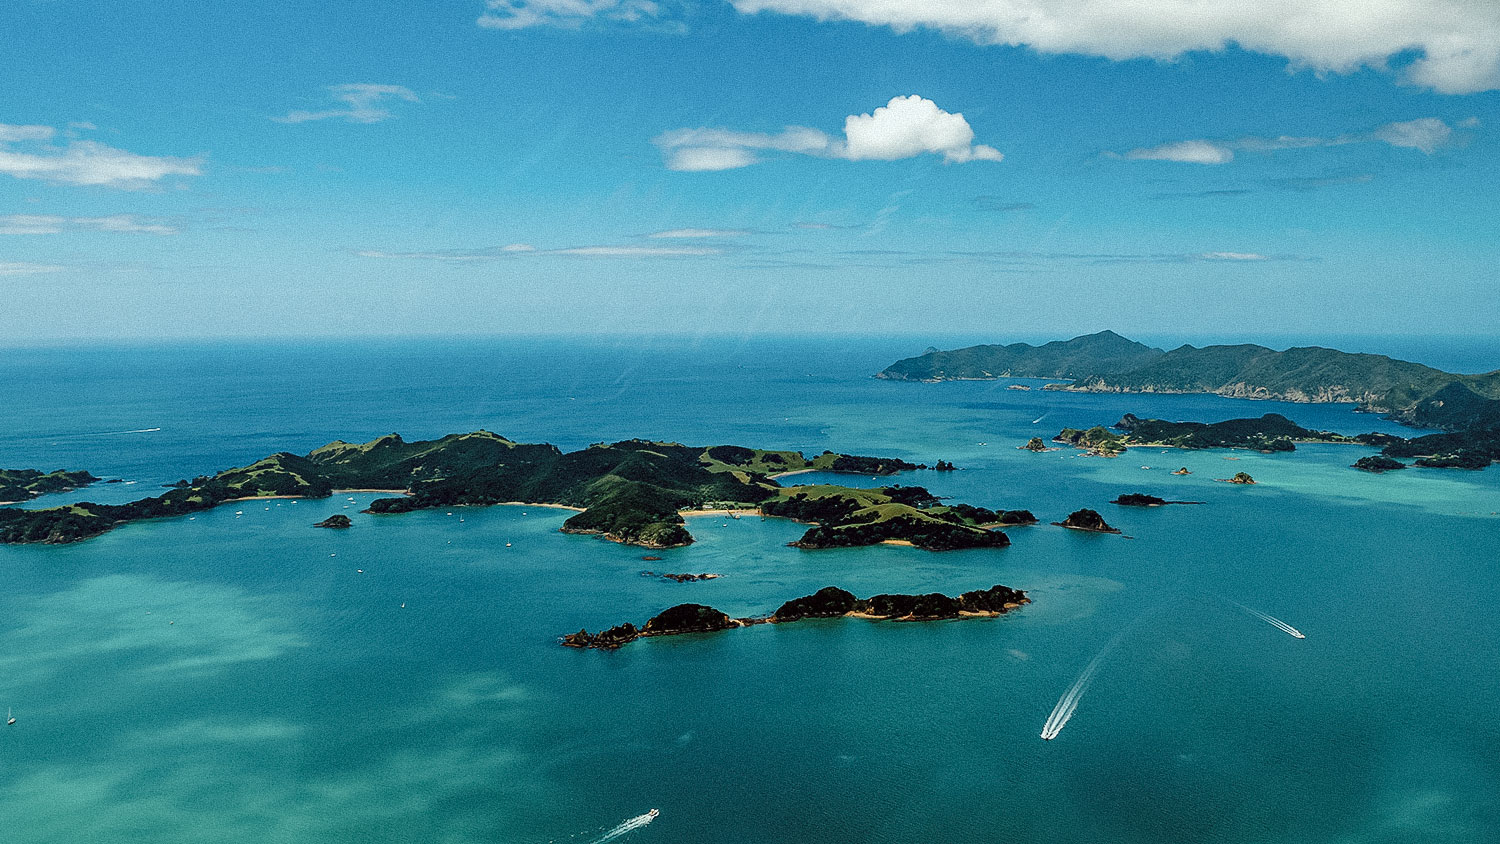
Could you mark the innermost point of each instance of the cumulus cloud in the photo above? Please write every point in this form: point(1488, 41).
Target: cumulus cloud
point(1427, 134)
point(53, 224)
point(28, 152)
point(26, 268)
point(905, 127)
point(366, 103)
point(568, 14)
point(1456, 42)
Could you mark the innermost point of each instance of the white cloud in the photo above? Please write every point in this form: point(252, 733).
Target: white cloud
point(1232, 256)
point(910, 126)
point(10, 134)
point(53, 224)
point(26, 153)
point(905, 127)
point(695, 233)
point(568, 14)
point(517, 250)
point(1192, 152)
point(1457, 41)
point(1427, 134)
point(26, 268)
point(365, 101)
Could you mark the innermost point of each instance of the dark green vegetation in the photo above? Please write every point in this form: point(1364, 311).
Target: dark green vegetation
point(628, 491)
point(1377, 464)
point(338, 521)
point(26, 484)
point(829, 602)
point(1108, 363)
point(846, 517)
point(1239, 478)
point(1097, 440)
point(1474, 449)
point(1102, 352)
point(1271, 432)
point(1140, 499)
point(1086, 519)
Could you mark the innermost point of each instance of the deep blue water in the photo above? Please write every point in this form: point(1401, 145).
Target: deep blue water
point(237, 678)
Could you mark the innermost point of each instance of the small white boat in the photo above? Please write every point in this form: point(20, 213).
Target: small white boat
point(653, 814)
point(9, 718)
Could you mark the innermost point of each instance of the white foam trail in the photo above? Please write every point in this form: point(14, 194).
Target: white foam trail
point(1272, 620)
point(1040, 418)
point(628, 826)
point(102, 434)
point(1068, 703)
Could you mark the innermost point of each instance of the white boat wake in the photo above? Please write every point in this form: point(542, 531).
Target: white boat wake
point(1272, 620)
point(628, 826)
point(1068, 703)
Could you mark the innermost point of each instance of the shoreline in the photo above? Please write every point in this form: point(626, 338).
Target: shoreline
point(780, 475)
point(686, 513)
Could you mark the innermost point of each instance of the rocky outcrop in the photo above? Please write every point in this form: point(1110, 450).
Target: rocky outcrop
point(335, 521)
point(680, 578)
point(1239, 478)
point(1088, 520)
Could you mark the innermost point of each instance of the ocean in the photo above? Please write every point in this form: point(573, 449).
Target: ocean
point(242, 677)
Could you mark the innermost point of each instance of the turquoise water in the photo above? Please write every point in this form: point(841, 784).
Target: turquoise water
point(237, 677)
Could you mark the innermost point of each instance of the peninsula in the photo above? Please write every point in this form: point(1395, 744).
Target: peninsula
point(632, 491)
point(1105, 362)
point(828, 602)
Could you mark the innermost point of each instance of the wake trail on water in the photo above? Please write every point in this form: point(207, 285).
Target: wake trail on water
point(1068, 703)
point(1271, 620)
point(101, 434)
point(630, 825)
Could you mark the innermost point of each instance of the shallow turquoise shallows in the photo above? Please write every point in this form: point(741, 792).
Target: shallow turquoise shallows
point(243, 677)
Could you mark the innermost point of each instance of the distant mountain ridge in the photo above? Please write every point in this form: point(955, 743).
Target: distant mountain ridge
point(1105, 362)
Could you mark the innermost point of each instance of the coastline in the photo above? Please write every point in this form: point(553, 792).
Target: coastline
point(686, 513)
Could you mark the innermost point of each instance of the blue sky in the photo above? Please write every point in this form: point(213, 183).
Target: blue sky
point(1001, 167)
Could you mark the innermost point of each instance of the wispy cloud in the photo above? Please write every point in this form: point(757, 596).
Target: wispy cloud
point(1426, 134)
point(8, 268)
point(685, 234)
point(905, 127)
point(53, 224)
point(1453, 41)
point(366, 103)
point(28, 152)
point(518, 250)
point(1001, 204)
point(572, 14)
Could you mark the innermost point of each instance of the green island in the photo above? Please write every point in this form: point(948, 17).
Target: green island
point(1414, 394)
point(828, 602)
point(634, 492)
point(25, 484)
point(1269, 433)
point(1474, 449)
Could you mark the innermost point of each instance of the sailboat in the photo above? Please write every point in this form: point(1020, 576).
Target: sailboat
point(9, 718)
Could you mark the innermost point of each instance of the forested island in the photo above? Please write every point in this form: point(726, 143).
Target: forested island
point(1274, 432)
point(828, 602)
point(26, 484)
point(632, 491)
point(1269, 433)
point(1411, 393)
